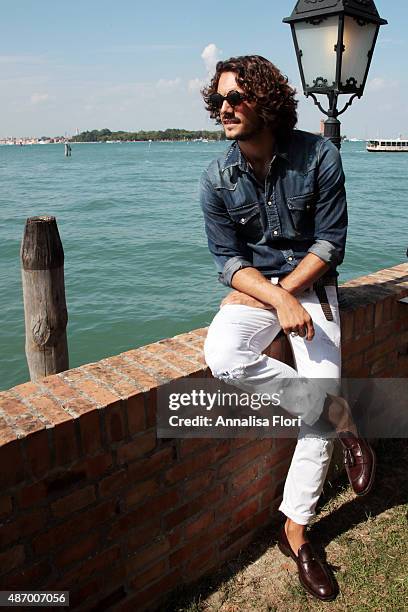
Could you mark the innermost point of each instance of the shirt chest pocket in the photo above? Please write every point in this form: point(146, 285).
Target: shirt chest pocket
point(247, 220)
point(302, 212)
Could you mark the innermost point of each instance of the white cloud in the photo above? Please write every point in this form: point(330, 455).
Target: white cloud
point(22, 59)
point(168, 83)
point(379, 84)
point(210, 56)
point(195, 85)
point(37, 98)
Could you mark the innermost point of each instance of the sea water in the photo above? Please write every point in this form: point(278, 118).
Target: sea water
point(137, 267)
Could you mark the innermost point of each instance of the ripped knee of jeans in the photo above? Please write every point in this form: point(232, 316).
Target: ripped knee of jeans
point(231, 375)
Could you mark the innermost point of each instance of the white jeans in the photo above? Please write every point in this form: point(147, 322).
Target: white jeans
point(233, 351)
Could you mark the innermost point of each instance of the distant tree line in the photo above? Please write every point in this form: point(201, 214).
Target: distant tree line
point(170, 134)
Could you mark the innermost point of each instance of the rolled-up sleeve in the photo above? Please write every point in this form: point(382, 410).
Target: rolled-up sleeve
point(229, 252)
point(331, 207)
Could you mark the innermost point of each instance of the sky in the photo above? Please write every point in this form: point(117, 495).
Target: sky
point(133, 64)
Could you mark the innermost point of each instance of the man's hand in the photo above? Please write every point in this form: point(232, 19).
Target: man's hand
point(291, 314)
point(294, 318)
point(237, 297)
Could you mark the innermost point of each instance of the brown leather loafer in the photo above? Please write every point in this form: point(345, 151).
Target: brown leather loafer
point(360, 462)
point(313, 576)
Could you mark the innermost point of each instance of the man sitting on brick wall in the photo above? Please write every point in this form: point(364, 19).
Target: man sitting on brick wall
point(276, 221)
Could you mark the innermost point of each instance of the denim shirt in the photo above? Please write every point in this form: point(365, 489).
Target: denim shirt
point(300, 209)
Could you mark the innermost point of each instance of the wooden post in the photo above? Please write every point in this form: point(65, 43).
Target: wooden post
point(45, 310)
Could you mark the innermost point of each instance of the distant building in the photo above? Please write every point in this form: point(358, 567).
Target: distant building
point(321, 127)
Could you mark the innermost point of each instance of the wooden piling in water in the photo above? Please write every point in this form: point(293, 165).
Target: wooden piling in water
point(45, 311)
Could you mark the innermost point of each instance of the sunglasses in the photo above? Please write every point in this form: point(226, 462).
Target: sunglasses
point(216, 100)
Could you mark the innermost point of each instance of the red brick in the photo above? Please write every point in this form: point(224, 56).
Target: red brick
point(380, 366)
point(7, 434)
point(58, 387)
point(74, 501)
point(202, 522)
point(108, 377)
point(381, 349)
point(138, 538)
point(135, 407)
point(201, 563)
point(245, 512)
point(347, 325)
point(352, 365)
point(388, 306)
point(80, 406)
point(113, 483)
point(136, 531)
point(283, 449)
point(248, 526)
point(12, 407)
point(159, 547)
point(142, 379)
point(28, 577)
point(90, 432)
point(23, 526)
point(244, 455)
point(160, 504)
point(192, 445)
point(174, 357)
point(245, 477)
point(142, 357)
point(6, 506)
point(69, 530)
point(101, 561)
point(115, 423)
point(378, 314)
point(155, 593)
point(38, 453)
point(139, 446)
point(280, 471)
point(142, 580)
point(198, 483)
point(251, 490)
point(31, 494)
point(49, 409)
point(11, 456)
point(96, 466)
point(27, 424)
point(384, 331)
point(363, 320)
point(206, 500)
point(190, 466)
point(139, 470)
point(353, 347)
point(151, 408)
point(78, 552)
point(189, 549)
point(9, 559)
point(26, 390)
point(65, 442)
point(142, 491)
point(96, 392)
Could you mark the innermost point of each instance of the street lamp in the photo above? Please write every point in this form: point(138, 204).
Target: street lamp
point(334, 42)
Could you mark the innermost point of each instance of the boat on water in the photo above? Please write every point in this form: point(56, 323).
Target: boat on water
point(387, 145)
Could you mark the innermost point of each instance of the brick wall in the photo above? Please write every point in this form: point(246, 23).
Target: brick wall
point(92, 502)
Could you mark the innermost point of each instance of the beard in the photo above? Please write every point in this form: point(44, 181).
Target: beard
point(248, 133)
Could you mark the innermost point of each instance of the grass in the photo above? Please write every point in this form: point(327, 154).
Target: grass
point(364, 541)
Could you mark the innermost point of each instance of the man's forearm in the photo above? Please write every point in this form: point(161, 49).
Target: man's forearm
point(252, 282)
point(309, 270)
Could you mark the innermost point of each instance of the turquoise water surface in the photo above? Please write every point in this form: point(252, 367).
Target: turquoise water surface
point(137, 267)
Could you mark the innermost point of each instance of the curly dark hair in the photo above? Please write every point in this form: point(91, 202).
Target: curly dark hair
point(263, 83)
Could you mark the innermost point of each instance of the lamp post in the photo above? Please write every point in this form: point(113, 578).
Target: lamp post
point(334, 42)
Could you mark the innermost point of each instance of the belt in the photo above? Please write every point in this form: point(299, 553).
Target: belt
point(320, 288)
